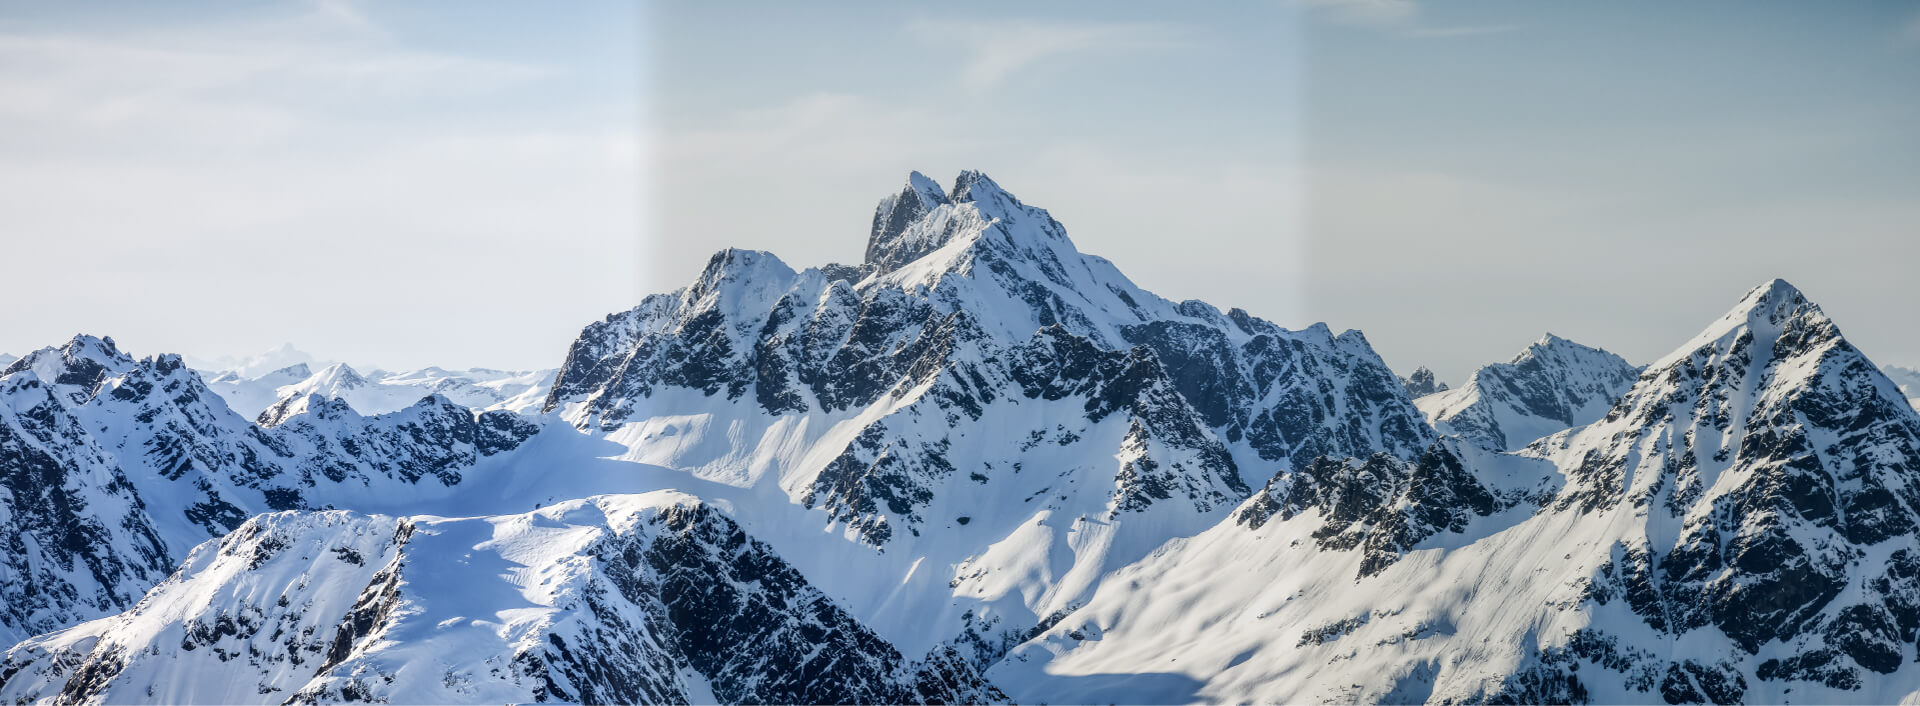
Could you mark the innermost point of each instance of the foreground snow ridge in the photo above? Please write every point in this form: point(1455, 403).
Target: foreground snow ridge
point(650, 598)
point(978, 466)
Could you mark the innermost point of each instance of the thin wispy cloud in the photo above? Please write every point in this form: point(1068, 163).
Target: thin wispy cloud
point(1371, 13)
point(1467, 31)
point(243, 78)
point(1002, 49)
point(1397, 16)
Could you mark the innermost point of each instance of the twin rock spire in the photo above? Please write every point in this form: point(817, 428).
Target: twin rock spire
point(899, 236)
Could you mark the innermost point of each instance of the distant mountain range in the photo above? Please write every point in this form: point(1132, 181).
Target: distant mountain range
point(977, 466)
point(380, 391)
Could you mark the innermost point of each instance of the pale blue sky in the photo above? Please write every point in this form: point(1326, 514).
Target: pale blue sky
point(417, 183)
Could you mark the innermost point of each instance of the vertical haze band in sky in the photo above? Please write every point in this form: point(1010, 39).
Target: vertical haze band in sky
point(440, 183)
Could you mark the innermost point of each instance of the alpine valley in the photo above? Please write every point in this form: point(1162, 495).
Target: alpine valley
point(977, 466)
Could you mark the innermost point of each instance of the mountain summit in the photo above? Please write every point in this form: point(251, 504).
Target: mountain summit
point(992, 391)
point(890, 245)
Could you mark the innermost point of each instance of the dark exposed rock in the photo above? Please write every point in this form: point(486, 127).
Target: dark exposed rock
point(1381, 505)
point(1422, 383)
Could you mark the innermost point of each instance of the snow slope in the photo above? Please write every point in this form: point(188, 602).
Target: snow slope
point(1552, 385)
point(1740, 527)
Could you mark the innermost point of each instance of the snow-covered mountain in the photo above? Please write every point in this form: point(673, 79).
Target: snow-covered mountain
point(1002, 418)
point(978, 466)
point(1739, 527)
point(1552, 385)
point(7, 359)
point(250, 396)
point(380, 391)
point(112, 468)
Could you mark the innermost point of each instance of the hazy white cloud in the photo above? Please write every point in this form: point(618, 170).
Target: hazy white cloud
point(221, 187)
point(1002, 49)
point(238, 83)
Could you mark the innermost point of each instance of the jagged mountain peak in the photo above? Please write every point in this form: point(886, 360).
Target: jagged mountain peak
point(1550, 346)
point(340, 375)
point(102, 346)
point(923, 187)
point(1551, 385)
point(1423, 382)
point(1773, 292)
point(733, 271)
point(1761, 312)
point(973, 186)
point(919, 220)
point(1548, 340)
point(1774, 345)
point(887, 244)
point(98, 349)
point(79, 366)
